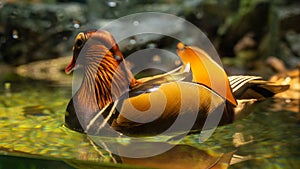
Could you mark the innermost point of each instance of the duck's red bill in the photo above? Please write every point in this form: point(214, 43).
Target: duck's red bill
point(70, 67)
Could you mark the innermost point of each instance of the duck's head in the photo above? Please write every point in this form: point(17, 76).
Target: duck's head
point(97, 54)
point(92, 47)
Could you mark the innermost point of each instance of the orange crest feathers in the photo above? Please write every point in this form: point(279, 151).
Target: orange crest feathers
point(206, 71)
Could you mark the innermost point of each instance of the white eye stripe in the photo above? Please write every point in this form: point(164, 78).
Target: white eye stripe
point(79, 41)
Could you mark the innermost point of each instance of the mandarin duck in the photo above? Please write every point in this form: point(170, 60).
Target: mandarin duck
point(109, 94)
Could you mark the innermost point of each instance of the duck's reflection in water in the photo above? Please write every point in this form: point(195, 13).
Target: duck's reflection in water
point(180, 156)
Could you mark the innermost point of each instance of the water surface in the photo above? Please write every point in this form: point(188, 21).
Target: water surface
point(32, 132)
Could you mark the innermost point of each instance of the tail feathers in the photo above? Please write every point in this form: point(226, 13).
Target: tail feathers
point(253, 87)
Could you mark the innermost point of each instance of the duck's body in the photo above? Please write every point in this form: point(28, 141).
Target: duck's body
point(110, 95)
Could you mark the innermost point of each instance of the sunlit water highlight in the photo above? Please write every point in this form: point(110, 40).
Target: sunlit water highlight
point(32, 117)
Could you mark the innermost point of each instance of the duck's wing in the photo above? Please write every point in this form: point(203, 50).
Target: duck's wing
point(144, 87)
point(253, 87)
point(149, 84)
point(180, 104)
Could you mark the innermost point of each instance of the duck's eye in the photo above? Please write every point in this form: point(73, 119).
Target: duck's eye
point(117, 57)
point(79, 43)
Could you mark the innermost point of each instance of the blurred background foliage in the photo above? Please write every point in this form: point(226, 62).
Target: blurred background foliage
point(245, 32)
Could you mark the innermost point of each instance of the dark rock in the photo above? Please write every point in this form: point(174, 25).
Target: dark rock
point(252, 17)
point(44, 31)
point(293, 41)
point(37, 31)
point(113, 9)
point(289, 17)
point(209, 15)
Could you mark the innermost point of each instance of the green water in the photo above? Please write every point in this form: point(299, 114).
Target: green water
point(32, 133)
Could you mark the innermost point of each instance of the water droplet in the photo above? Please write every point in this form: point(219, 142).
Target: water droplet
point(156, 58)
point(15, 34)
point(76, 25)
point(177, 62)
point(199, 15)
point(151, 45)
point(112, 4)
point(132, 41)
point(136, 23)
